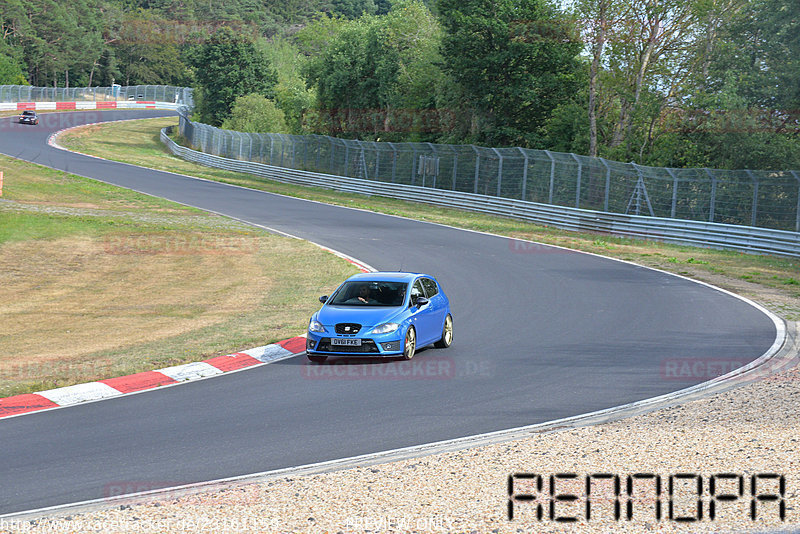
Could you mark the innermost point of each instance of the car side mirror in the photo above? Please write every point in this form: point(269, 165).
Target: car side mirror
point(323, 299)
point(422, 301)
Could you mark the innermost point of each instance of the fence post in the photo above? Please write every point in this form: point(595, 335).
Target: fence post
point(524, 173)
point(552, 175)
point(317, 150)
point(346, 158)
point(377, 160)
point(271, 147)
point(499, 170)
point(797, 212)
point(578, 181)
point(455, 168)
point(639, 191)
point(435, 166)
point(755, 197)
point(608, 183)
point(333, 151)
point(394, 161)
point(413, 165)
point(713, 201)
point(477, 167)
point(674, 208)
point(360, 161)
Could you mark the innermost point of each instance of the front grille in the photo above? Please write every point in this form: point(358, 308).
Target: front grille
point(367, 346)
point(348, 328)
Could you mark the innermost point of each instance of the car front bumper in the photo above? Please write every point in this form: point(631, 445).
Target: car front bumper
point(373, 346)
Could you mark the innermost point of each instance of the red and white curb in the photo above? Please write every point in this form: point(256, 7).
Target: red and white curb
point(123, 385)
point(67, 106)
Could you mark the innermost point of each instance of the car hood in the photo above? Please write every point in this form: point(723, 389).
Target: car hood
point(366, 315)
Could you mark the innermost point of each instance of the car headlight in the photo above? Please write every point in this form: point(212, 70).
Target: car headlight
point(385, 328)
point(315, 326)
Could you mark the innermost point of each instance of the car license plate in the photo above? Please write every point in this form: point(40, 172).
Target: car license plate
point(349, 342)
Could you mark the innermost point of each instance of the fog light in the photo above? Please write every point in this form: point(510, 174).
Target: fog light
point(391, 345)
point(310, 344)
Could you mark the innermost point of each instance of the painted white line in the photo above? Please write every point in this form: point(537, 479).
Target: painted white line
point(78, 393)
point(190, 371)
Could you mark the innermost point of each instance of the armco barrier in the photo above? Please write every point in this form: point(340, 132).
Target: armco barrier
point(714, 235)
point(705, 234)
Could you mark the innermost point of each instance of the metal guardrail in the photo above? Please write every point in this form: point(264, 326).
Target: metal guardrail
point(696, 233)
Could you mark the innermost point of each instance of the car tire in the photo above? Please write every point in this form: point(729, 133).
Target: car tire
point(447, 333)
point(317, 359)
point(410, 343)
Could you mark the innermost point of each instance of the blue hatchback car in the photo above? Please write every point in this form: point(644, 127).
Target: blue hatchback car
point(381, 314)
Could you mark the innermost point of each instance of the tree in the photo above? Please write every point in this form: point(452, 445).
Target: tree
point(353, 9)
point(146, 49)
point(257, 114)
point(378, 76)
point(57, 39)
point(353, 79)
point(229, 66)
point(741, 106)
point(516, 60)
point(11, 72)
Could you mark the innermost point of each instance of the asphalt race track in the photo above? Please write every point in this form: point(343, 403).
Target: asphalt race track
point(540, 333)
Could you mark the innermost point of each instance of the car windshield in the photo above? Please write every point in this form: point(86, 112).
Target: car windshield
point(29, 113)
point(370, 293)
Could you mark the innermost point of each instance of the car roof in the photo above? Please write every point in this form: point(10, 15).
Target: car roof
point(386, 276)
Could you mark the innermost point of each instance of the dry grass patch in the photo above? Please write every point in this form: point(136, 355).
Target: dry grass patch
point(92, 294)
point(83, 308)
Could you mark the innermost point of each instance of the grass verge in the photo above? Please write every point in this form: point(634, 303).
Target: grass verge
point(98, 281)
point(771, 280)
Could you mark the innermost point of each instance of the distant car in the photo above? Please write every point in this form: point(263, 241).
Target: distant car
point(383, 314)
point(29, 117)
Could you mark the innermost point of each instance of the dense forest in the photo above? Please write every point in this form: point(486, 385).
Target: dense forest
point(681, 83)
